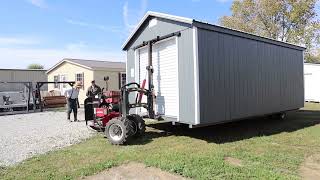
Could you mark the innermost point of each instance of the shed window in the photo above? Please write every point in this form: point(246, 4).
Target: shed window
point(56, 79)
point(80, 78)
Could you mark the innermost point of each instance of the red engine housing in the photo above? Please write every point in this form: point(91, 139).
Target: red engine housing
point(114, 96)
point(105, 115)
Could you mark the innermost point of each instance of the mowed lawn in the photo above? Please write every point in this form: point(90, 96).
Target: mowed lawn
point(258, 148)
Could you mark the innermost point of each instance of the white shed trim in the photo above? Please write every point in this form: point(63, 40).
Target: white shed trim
point(196, 75)
point(160, 15)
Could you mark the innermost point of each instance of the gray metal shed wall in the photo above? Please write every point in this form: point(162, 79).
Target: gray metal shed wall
point(239, 77)
point(21, 75)
point(185, 43)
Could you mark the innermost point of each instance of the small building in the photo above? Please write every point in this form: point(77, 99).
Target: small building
point(20, 75)
point(207, 74)
point(85, 71)
point(312, 82)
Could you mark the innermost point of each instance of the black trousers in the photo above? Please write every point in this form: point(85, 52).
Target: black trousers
point(72, 106)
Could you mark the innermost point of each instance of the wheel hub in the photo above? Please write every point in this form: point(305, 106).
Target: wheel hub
point(116, 132)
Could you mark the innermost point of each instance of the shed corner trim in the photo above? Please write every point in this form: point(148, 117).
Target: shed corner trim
point(196, 75)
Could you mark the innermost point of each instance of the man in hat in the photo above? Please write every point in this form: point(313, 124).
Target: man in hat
point(72, 100)
point(93, 90)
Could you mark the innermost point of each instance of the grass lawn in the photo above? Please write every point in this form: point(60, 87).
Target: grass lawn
point(264, 149)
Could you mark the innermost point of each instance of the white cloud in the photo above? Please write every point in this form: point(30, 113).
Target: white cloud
point(38, 3)
point(76, 46)
point(94, 26)
point(131, 17)
point(8, 41)
point(21, 57)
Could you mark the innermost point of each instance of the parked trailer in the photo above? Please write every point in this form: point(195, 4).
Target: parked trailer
point(206, 74)
point(311, 82)
point(15, 102)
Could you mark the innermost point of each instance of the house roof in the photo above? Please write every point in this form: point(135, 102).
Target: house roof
point(208, 26)
point(91, 64)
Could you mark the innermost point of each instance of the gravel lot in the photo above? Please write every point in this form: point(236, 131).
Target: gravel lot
point(25, 135)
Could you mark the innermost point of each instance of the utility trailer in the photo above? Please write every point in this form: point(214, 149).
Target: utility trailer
point(16, 102)
point(204, 74)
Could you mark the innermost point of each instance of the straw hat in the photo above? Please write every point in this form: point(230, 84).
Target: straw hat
point(78, 84)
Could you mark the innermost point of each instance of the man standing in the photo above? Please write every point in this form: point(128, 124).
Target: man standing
point(93, 90)
point(72, 100)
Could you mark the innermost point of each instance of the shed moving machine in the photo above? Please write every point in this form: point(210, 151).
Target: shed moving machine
point(110, 113)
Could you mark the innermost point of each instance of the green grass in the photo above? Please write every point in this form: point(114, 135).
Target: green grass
point(268, 149)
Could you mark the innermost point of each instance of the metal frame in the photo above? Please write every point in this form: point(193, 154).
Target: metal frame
point(29, 86)
point(40, 84)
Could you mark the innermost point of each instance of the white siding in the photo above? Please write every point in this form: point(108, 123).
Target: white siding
point(165, 78)
point(311, 82)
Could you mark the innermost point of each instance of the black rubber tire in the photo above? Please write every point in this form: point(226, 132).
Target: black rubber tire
point(282, 116)
point(126, 130)
point(139, 125)
point(279, 116)
point(104, 105)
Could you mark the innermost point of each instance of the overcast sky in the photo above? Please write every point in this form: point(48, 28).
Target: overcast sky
point(46, 31)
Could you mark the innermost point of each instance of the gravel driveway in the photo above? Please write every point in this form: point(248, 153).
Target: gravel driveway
point(25, 135)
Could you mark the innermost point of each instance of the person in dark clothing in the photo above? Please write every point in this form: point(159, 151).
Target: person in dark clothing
point(72, 101)
point(93, 90)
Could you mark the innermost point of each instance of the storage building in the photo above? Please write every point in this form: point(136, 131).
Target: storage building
point(206, 74)
point(20, 75)
point(312, 82)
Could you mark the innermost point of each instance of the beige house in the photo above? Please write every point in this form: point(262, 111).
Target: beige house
point(86, 71)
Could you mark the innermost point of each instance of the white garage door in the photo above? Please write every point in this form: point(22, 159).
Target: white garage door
point(165, 76)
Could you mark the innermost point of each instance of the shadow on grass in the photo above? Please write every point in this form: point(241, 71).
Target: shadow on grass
point(235, 131)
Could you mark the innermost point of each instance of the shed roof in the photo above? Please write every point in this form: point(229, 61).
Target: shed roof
point(91, 64)
point(208, 26)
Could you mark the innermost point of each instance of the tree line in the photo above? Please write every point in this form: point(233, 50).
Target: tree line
point(292, 21)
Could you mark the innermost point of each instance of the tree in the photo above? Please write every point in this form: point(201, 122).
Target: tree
point(293, 21)
point(35, 66)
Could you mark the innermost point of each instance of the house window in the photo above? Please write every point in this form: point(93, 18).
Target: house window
point(122, 79)
point(64, 78)
point(56, 79)
point(80, 78)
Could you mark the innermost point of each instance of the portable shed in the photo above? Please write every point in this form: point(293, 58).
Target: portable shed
point(206, 74)
point(311, 82)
